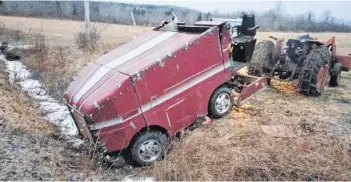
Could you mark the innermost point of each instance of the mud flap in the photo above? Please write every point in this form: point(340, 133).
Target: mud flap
point(255, 85)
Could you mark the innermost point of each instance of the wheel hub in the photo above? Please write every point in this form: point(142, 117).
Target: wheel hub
point(222, 103)
point(149, 151)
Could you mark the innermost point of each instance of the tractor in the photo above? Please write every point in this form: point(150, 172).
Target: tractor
point(305, 59)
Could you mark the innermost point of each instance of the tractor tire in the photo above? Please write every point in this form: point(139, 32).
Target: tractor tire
point(221, 102)
point(149, 148)
point(335, 75)
point(312, 81)
point(261, 61)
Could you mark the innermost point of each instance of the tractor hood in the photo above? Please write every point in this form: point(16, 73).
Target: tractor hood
point(102, 78)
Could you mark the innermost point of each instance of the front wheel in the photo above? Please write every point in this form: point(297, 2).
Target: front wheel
point(221, 102)
point(149, 148)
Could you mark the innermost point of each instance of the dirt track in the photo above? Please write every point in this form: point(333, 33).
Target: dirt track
point(233, 148)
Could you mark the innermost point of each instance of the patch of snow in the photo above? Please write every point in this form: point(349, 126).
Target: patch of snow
point(77, 143)
point(20, 46)
point(145, 179)
point(54, 112)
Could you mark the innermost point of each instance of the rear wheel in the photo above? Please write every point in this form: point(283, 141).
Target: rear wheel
point(314, 74)
point(149, 148)
point(221, 102)
point(262, 61)
point(335, 75)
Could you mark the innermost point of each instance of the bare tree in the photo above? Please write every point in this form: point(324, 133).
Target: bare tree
point(327, 16)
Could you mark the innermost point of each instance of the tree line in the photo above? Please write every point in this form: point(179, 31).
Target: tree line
point(276, 20)
point(102, 11)
point(150, 15)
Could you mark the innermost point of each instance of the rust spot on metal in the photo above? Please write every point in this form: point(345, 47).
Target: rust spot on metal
point(138, 76)
point(186, 46)
point(160, 62)
point(96, 105)
point(132, 125)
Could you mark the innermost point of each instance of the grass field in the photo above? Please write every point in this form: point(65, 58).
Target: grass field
point(62, 31)
point(235, 147)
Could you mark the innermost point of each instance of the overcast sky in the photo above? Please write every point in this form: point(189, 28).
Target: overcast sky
point(339, 9)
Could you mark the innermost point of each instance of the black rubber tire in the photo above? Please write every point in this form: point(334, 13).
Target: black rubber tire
point(335, 75)
point(151, 135)
point(212, 103)
point(261, 61)
point(309, 73)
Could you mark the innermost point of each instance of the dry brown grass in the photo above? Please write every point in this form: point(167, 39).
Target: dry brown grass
point(56, 51)
point(235, 148)
point(91, 41)
point(10, 34)
point(61, 32)
point(21, 113)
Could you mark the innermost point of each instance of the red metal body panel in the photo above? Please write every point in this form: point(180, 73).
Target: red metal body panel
point(158, 52)
point(160, 78)
point(121, 102)
point(171, 108)
point(91, 96)
point(331, 41)
point(80, 79)
point(225, 43)
point(118, 136)
point(125, 48)
point(183, 64)
point(256, 84)
point(345, 61)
